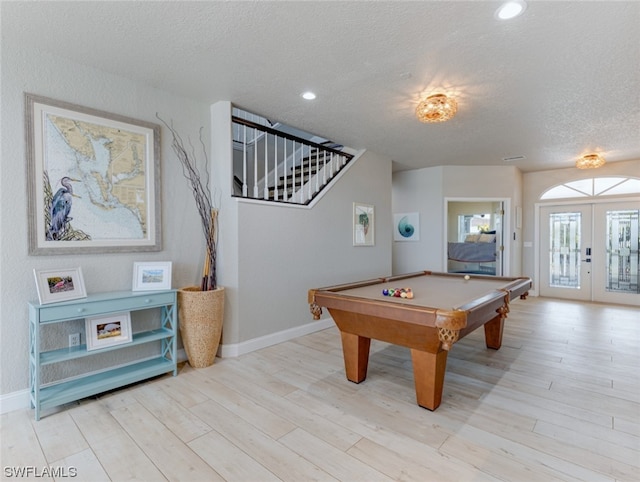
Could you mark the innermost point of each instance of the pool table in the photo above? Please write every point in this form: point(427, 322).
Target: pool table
point(444, 308)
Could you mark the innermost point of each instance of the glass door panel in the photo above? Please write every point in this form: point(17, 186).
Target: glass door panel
point(565, 247)
point(617, 236)
point(622, 251)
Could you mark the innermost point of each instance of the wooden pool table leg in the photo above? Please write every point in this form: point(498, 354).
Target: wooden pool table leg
point(356, 356)
point(493, 332)
point(428, 374)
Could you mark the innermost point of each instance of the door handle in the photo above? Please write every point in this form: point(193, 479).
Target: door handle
point(588, 260)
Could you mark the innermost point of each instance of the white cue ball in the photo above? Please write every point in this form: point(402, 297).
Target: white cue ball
point(467, 277)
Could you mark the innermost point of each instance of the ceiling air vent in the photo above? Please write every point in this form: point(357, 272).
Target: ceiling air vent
point(513, 158)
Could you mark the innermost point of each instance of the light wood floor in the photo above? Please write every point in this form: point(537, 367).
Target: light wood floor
point(559, 401)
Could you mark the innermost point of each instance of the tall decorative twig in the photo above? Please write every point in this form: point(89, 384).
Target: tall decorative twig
point(202, 196)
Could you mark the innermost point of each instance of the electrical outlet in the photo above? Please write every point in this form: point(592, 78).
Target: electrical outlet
point(74, 340)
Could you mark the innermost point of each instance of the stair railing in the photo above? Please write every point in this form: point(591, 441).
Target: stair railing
point(271, 165)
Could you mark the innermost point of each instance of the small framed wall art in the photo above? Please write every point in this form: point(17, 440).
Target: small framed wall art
point(363, 225)
point(151, 276)
point(111, 330)
point(59, 285)
point(406, 227)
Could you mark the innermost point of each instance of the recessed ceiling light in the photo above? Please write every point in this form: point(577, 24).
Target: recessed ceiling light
point(511, 9)
point(308, 95)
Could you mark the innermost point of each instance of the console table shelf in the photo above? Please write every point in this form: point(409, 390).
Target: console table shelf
point(71, 390)
point(104, 378)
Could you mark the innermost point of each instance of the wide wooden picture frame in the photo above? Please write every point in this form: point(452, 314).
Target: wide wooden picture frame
point(55, 285)
point(93, 180)
point(151, 276)
point(363, 224)
point(105, 331)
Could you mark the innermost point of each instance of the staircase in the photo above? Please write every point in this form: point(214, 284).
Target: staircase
point(272, 165)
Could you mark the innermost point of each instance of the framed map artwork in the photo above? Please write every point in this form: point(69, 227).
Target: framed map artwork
point(93, 180)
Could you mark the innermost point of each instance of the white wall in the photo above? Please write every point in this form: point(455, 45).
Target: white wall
point(285, 251)
point(425, 191)
point(419, 191)
point(31, 71)
point(273, 256)
point(536, 183)
point(492, 182)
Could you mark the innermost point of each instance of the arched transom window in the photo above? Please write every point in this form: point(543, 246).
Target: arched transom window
point(598, 186)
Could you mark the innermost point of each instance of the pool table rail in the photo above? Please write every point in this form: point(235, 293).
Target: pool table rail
point(454, 319)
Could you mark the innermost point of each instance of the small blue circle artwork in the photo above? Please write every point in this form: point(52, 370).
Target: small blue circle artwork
point(405, 228)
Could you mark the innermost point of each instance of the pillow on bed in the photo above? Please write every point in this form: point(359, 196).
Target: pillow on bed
point(487, 238)
point(472, 238)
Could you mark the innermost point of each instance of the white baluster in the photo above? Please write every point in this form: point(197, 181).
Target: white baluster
point(255, 164)
point(309, 175)
point(266, 168)
point(317, 170)
point(324, 169)
point(293, 170)
point(301, 173)
point(245, 188)
point(275, 167)
point(284, 193)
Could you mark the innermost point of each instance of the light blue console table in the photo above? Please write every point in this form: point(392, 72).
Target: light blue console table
point(107, 378)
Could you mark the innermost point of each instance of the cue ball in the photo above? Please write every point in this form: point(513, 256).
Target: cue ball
point(467, 277)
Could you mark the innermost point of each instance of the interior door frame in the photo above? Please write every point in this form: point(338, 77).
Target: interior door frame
point(506, 228)
point(593, 200)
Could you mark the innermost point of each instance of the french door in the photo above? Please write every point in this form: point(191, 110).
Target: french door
point(589, 252)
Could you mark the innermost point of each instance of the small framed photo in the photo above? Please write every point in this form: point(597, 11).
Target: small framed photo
point(109, 330)
point(363, 225)
point(151, 276)
point(59, 285)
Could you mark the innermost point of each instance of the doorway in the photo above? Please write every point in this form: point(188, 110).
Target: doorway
point(589, 252)
point(475, 236)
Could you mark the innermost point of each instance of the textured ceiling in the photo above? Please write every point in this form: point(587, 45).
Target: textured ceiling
point(555, 83)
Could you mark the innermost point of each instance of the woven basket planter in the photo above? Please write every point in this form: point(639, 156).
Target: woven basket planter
point(200, 314)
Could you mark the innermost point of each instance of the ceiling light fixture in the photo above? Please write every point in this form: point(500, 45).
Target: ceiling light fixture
point(590, 161)
point(308, 95)
point(436, 108)
point(511, 9)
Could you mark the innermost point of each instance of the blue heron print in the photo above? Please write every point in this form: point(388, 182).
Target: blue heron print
point(60, 209)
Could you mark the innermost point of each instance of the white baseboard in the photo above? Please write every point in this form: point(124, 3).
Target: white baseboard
point(15, 401)
point(236, 349)
point(20, 400)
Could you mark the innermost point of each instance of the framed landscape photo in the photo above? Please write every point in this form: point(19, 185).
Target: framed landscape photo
point(363, 225)
point(151, 276)
point(59, 285)
point(109, 330)
point(93, 180)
